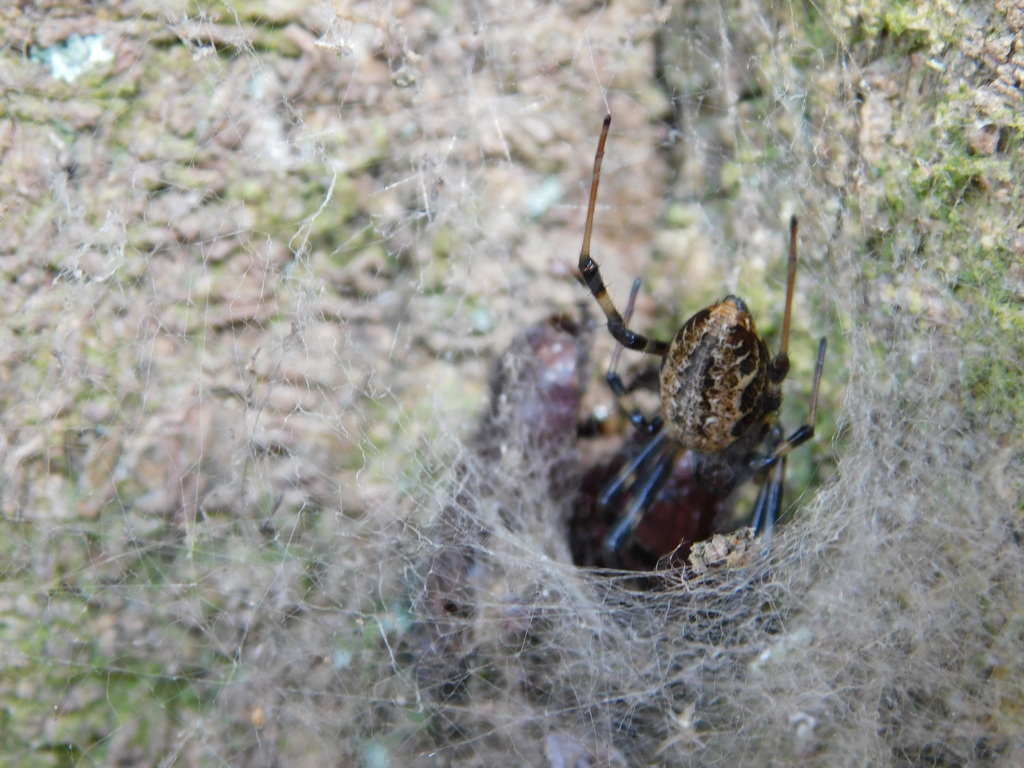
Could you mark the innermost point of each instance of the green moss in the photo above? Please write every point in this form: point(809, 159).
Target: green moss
point(965, 214)
point(993, 371)
point(946, 203)
point(953, 175)
point(900, 27)
point(99, 694)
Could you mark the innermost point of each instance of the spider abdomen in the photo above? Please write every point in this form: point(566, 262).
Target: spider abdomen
point(714, 378)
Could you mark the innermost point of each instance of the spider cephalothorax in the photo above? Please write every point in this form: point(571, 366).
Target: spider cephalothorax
point(720, 393)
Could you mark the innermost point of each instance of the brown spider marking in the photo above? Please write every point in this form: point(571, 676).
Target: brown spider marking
point(714, 378)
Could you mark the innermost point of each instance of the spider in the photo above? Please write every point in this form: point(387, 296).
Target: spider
point(720, 394)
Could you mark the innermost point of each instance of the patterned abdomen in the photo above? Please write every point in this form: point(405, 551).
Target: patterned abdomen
point(714, 378)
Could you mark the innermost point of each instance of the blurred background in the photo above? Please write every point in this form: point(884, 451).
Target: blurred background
point(259, 258)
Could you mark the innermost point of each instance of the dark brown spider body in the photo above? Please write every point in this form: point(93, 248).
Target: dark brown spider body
point(715, 382)
point(720, 392)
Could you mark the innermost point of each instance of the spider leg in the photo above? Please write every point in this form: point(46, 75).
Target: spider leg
point(779, 366)
point(592, 274)
point(620, 483)
point(649, 464)
point(619, 389)
point(769, 500)
point(802, 433)
point(653, 467)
